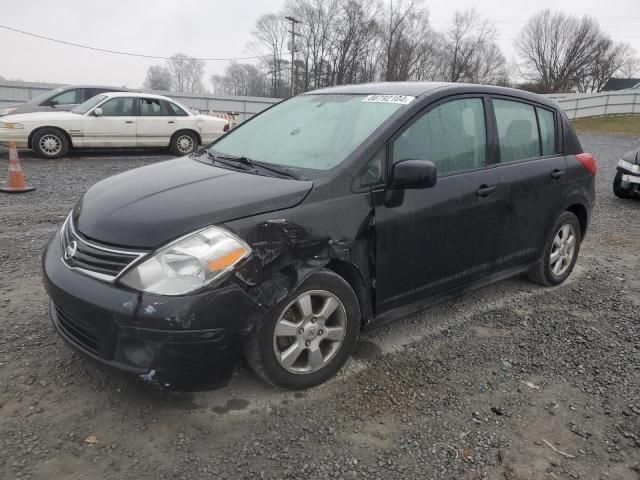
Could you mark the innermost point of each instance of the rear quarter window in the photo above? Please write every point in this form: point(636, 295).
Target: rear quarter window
point(547, 122)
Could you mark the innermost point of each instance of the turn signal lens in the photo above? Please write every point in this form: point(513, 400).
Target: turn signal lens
point(11, 125)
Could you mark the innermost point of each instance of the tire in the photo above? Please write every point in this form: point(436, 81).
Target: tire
point(545, 272)
point(264, 350)
point(50, 143)
point(183, 143)
point(618, 191)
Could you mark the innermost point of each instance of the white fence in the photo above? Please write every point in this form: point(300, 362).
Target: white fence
point(245, 107)
point(574, 104)
point(581, 105)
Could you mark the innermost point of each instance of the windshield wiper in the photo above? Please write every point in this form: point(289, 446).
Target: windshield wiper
point(222, 160)
point(257, 163)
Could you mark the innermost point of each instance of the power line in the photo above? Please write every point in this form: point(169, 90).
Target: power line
point(117, 52)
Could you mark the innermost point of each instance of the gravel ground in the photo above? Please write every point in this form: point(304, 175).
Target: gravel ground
point(513, 381)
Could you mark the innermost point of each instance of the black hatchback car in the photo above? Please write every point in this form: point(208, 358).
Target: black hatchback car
point(326, 212)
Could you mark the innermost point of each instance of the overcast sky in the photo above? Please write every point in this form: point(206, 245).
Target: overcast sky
point(207, 28)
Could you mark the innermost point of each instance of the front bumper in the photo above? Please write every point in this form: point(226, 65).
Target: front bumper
point(183, 343)
point(17, 136)
point(630, 178)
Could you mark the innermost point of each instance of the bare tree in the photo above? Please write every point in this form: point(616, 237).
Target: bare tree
point(240, 79)
point(473, 55)
point(187, 73)
point(609, 60)
point(631, 67)
point(405, 32)
point(271, 34)
point(558, 49)
point(354, 38)
point(158, 78)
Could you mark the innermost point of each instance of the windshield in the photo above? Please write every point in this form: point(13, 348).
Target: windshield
point(43, 96)
point(88, 105)
point(310, 131)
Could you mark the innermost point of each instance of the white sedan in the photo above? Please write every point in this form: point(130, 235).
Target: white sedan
point(115, 119)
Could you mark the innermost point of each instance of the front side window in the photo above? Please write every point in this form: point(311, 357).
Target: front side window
point(315, 132)
point(118, 107)
point(70, 97)
point(547, 122)
point(150, 107)
point(517, 129)
point(452, 135)
point(88, 105)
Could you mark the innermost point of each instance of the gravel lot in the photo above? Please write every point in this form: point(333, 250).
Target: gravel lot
point(513, 381)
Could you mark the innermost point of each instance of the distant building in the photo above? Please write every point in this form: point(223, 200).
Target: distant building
point(621, 84)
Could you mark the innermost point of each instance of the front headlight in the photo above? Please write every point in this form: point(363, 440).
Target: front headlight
point(189, 263)
point(7, 111)
point(632, 167)
point(11, 125)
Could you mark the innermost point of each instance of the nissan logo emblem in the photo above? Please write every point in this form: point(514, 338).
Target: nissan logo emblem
point(70, 251)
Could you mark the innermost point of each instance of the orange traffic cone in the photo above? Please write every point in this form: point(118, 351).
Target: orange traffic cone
point(16, 177)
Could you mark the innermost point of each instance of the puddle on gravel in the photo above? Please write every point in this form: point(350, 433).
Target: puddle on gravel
point(233, 404)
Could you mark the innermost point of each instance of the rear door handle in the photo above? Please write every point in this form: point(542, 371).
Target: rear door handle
point(171, 121)
point(557, 174)
point(484, 191)
point(129, 121)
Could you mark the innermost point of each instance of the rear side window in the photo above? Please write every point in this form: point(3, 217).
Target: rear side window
point(517, 129)
point(452, 135)
point(173, 109)
point(547, 122)
point(70, 97)
point(150, 107)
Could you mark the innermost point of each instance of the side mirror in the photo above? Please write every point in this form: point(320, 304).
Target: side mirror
point(412, 174)
point(98, 112)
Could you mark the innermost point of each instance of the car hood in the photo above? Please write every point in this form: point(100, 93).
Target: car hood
point(40, 116)
point(632, 156)
point(152, 205)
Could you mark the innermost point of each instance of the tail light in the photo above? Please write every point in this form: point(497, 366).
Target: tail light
point(588, 162)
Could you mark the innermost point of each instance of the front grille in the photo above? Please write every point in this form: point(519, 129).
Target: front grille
point(82, 334)
point(99, 261)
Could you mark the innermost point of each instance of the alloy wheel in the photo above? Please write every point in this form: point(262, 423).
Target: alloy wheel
point(309, 332)
point(562, 250)
point(50, 144)
point(185, 143)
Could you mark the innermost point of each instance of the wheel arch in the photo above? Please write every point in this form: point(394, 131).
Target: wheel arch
point(36, 130)
point(353, 277)
point(580, 211)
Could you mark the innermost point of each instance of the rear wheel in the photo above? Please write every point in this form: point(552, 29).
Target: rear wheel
point(560, 252)
point(50, 143)
point(309, 337)
point(619, 190)
point(183, 143)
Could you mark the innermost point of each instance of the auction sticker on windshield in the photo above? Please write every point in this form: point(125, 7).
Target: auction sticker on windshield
point(398, 99)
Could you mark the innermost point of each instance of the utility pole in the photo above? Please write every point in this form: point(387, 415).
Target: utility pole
point(294, 21)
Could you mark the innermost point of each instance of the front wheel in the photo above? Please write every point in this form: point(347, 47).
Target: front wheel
point(560, 252)
point(618, 190)
point(183, 143)
point(50, 143)
point(309, 337)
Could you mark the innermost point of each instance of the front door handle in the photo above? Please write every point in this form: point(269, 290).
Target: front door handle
point(171, 121)
point(129, 121)
point(557, 174)
point(485, 190)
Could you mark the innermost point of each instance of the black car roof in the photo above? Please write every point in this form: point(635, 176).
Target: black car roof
point(419, 89)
